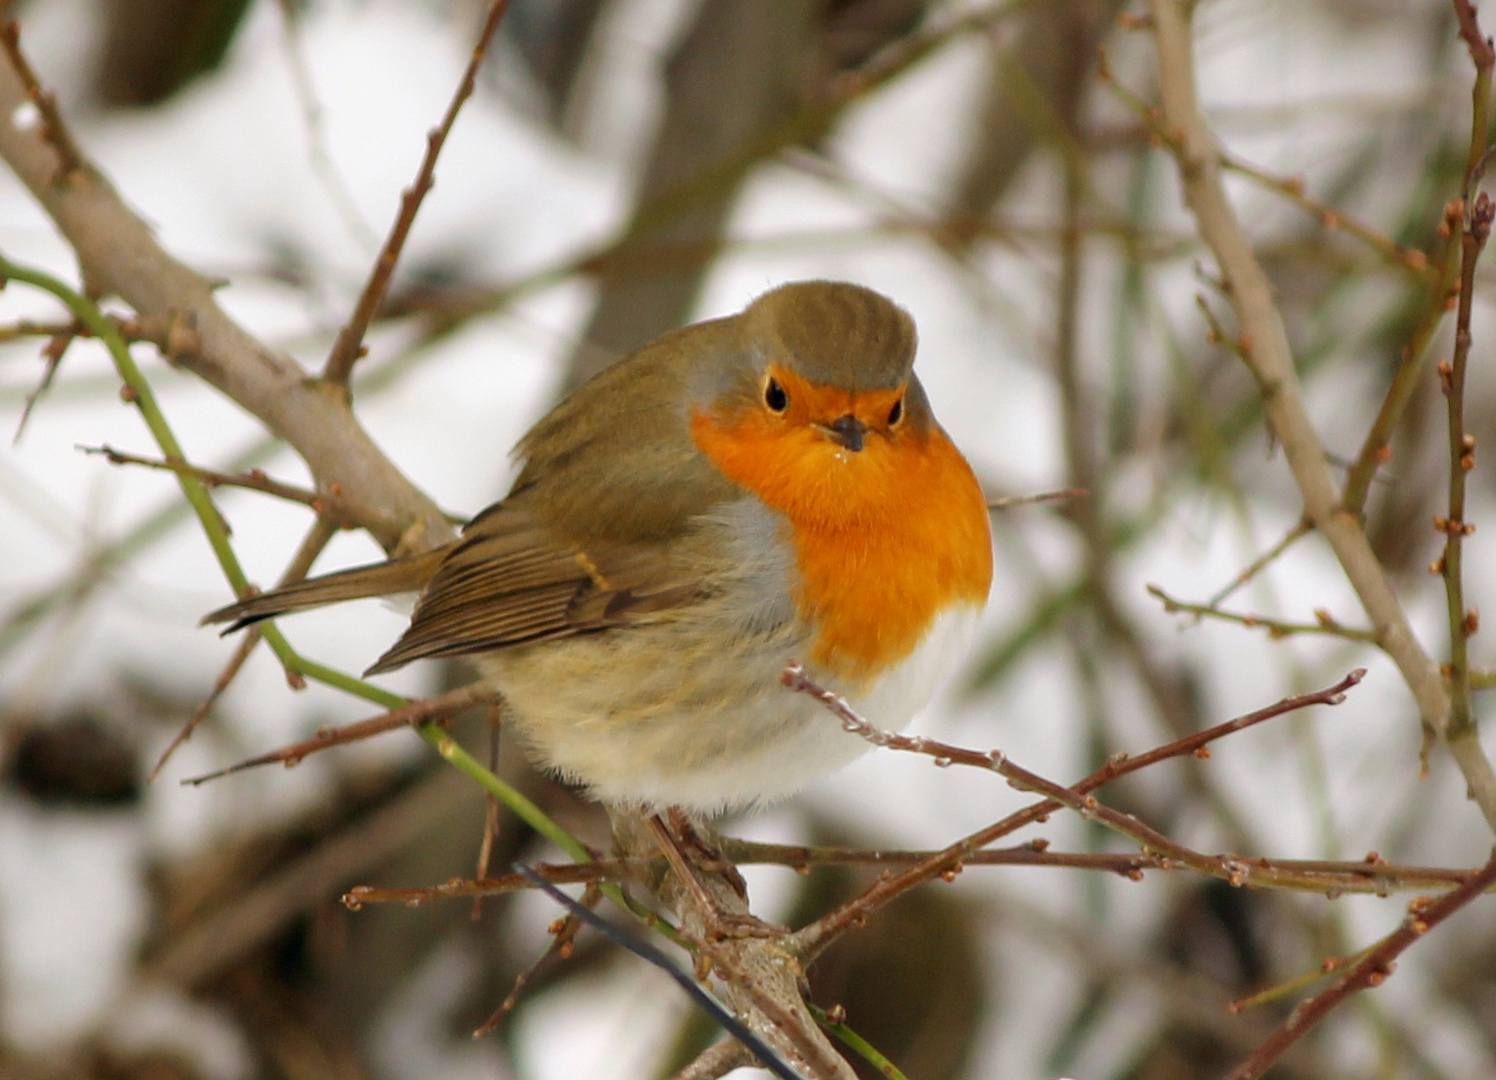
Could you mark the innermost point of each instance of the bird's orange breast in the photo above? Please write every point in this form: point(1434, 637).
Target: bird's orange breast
point(886, 538)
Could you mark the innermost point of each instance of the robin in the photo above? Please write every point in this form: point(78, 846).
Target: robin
point(737, 494)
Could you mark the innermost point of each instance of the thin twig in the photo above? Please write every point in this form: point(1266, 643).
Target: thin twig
point(1477, 230)
point(348, 347)
point(1370, 876)
point(1270, 360)
point(1324, 622)
point(1452, 231)
point(1371, 971)
point(53, 352)
point(1042, 497)
point(1335, 219)
point(254, 480)
point(1376, 448)
point(316, 539)
point(491, 815)
point(230, 671)
point(25, 328)
point(53, 130)
point(1257, 565)
point(563, 935)
point(1327, 967)
point(586, 873)
point(416, 712)
point(949, 860)
point(1227, 868)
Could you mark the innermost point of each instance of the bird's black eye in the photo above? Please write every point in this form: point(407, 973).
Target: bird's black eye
point(774, 396)
point(896, 413)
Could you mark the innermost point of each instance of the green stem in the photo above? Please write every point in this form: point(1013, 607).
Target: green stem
point(196, 493)
point(866, 1050)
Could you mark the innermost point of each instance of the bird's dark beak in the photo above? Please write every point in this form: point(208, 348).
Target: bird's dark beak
point(848, 431)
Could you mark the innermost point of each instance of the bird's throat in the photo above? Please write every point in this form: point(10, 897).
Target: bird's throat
point(886, 539)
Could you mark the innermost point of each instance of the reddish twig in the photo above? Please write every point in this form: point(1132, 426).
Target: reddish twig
point(321, 532)
point(491, 817)
point(24, 328)
point(348, 347)
point(563, 934)
point(950, 859)
point(557, 874)
point(1462, 623)
point(1481, 52)
point(1376, 448)
point(1371, 971)
point(1369, 876)
point(254, 480)
point(416, 712)
point(52, 352)
point(230, 671)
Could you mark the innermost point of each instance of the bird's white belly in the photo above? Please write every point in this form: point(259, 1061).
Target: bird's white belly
point(765, 745)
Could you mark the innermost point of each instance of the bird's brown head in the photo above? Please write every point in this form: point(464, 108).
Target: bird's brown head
point(826, 357)
point(817, 402)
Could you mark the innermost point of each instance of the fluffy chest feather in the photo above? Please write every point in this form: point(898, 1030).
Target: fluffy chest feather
point(886, 539)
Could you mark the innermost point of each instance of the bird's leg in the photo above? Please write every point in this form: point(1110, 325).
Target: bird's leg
point(700, 842)
point(720, 917)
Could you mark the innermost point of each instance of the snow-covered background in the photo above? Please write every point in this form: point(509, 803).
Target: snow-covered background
point(1077, 974)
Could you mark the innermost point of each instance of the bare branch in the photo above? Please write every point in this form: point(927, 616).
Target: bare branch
point(1324, 622)
point(119, 254)
point(254, 480)
point(950, 859)
point(1371, 971)
point(417, 712)
point(349, 344)
point(1271, 361)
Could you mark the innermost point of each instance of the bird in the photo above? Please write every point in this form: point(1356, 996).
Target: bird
point(739, 494)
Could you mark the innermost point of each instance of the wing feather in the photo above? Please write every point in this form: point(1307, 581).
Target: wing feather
point(512, 581)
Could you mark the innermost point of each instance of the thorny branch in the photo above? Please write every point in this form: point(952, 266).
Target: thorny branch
point(1372, 875)
point(348, 347)
point(174, 306)
point(950, 860)
point(1371, 971)
point(1267, 353)
point(1462, 623)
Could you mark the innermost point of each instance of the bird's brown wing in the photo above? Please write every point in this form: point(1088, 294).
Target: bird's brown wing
point(512, 580)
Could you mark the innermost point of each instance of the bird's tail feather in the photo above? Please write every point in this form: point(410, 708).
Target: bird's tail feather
point(409, 573)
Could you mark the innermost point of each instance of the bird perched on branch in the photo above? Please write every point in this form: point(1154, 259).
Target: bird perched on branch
point(738, 494)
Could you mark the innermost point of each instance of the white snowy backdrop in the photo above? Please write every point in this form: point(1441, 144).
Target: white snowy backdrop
point(279, 170)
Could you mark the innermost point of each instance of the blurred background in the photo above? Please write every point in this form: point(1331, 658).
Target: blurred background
point(626, 166)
